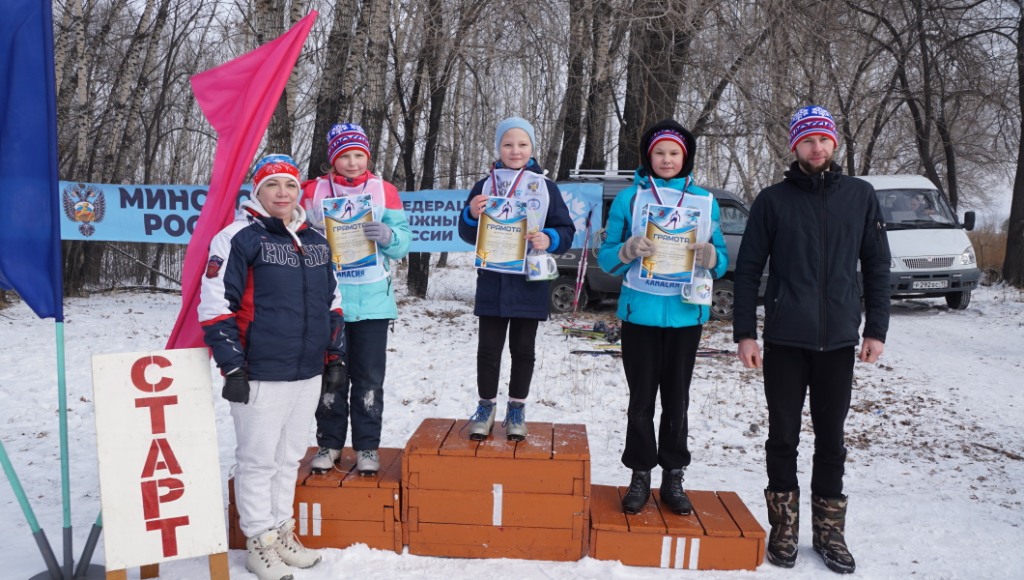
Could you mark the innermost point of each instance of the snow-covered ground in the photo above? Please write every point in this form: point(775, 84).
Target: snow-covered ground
point(934, 475)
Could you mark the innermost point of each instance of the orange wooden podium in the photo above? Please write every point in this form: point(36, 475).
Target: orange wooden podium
point(340, 508)
point(495, 498)
point(447, 495)
point(720, 534)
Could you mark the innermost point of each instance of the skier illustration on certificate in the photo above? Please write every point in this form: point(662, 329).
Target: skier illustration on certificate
point(671, 229)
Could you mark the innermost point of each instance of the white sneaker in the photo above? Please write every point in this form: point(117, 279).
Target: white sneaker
point(263, 559)
point(291, 549)
point(324, 460)
point(368, 462)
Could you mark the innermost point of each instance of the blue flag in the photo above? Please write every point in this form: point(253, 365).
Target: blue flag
point(30, 259)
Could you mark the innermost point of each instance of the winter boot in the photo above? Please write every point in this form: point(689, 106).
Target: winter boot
point(262, 558)
point(324, 460)
point(784, 517)
point(291, 550)
point(481, 423)
point(672, 494)
point(367, 462)
point(515, 421)
point(638, 492)
point(829, 523)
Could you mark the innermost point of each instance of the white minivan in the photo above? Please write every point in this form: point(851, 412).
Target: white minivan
point(931, 254)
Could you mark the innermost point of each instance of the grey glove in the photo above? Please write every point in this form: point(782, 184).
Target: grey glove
point(377, 232)
point(636, 247)
point(704, 255)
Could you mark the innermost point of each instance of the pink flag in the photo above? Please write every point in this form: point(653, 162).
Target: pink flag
point(238, 99)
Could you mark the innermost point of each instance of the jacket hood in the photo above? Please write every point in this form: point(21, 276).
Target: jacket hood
point(691, 146)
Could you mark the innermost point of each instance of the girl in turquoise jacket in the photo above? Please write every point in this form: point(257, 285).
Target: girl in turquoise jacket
point(660, 332)
point(367, 297)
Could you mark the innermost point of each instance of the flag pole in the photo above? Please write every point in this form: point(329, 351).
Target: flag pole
point(65, 476)
point(30, 262)
point(45, 550)
point(85, 570)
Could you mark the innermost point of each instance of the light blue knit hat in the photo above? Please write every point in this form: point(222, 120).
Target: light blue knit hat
point(513, 123)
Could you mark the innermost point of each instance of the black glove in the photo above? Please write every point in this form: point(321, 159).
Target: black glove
point(236, 387)
point(335, 377)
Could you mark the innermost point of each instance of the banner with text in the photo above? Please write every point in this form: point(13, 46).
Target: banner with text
point(167, 214)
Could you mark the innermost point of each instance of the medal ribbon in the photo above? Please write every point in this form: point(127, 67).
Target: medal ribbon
point(512, 189)
point(657, 196)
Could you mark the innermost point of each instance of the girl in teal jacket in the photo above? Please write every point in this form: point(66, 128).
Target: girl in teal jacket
point(367, 297)
point(660, 332)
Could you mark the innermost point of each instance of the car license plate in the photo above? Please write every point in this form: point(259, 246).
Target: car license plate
point(930, 284)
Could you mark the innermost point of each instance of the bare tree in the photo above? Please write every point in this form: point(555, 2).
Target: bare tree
point(1013, 263)
point(336, 52)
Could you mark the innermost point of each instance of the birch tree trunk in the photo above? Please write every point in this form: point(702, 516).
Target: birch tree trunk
point(580, 15)
point(330, 94)
point(375, 104)
point(270, 25)
point(607, 35)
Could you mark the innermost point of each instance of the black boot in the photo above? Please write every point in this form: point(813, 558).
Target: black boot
point(672, 494)
point(638, 492)
point(829, 522)
point(784, 517)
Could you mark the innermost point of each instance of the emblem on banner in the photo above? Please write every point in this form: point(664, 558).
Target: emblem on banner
point(84, 204)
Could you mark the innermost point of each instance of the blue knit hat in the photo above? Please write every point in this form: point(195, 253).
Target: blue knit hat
point(811, 120)
point(513, 123)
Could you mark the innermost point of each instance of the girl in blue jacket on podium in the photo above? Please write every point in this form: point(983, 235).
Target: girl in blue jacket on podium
point(505, 301)
point(660, 331)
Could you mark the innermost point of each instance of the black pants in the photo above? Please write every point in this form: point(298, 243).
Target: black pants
point(789, 373)
point(367, 358)
point(655, 360)
point(522, 334)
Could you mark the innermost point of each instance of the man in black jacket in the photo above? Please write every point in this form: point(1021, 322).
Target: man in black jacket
point(816, 226)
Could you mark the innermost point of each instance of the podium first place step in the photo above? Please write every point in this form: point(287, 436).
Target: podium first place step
point(497, 498)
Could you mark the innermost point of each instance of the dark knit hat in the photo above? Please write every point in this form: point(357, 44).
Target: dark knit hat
point(811, 120)
point(668, 129)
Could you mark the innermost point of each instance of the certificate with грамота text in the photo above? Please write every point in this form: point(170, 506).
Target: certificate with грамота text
point(501, 236)
point(672, 230)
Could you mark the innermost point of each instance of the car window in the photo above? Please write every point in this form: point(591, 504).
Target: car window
point(914, 208)
point(733, 219)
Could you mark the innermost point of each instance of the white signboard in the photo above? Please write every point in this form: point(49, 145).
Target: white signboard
point(158, 465)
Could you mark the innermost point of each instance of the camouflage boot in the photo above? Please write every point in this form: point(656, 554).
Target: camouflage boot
point(829, 521)
point(784, 517)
